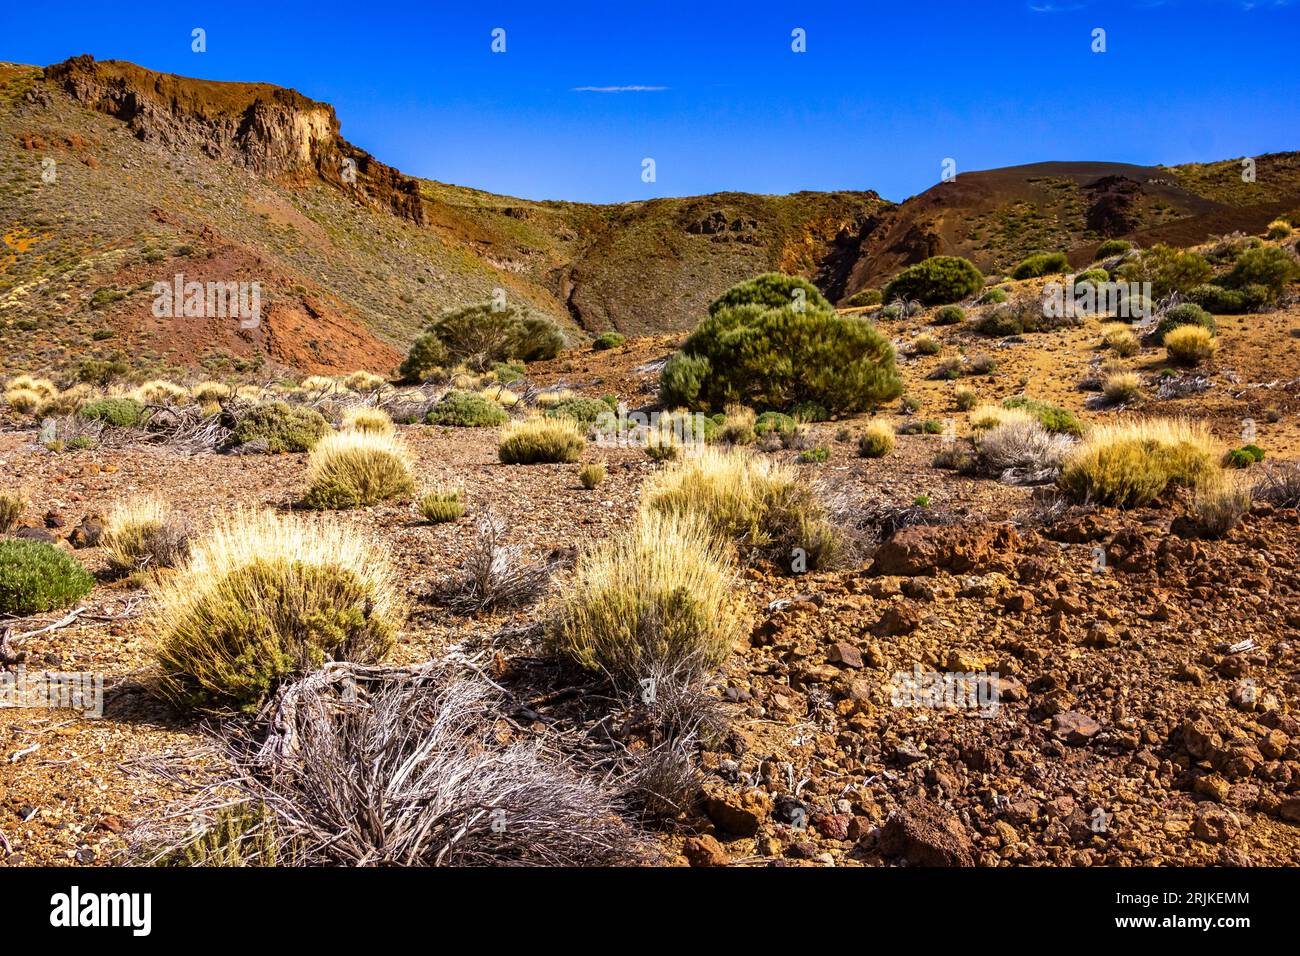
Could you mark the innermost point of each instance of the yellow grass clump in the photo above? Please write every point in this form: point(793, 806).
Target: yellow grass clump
point(160, 392)
point(356, 468)
point(591, 474)
point(1120, 340)
point(657, 600)
point(991, 416)
point(206, 392)
point(550, 399)
point(750, 499)
point(139, 534)
point(12, 506)
point(1131, 464)
point(319, 383)
point(1190, 345)
point(441, 504)
point(532, 441)
point(41, 386)
point(362, 381)
point(500, 394)
point(263, 598)
point(364, 419)
point(23, 400)
point(876, 440)
point(1121, 387)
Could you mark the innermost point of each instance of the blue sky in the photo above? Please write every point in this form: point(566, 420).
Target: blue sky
point(884, 93)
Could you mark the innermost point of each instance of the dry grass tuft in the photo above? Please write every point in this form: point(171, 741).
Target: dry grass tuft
point(365, 382)
point(1190, 345)
point(1219, 506)
point(263, 598)
point(876, 440)
point(140, 534)
point(1120, 340)
point(1132, 464)
point(1022, 452)
point(12, 506)
point(591, 475)
point(749, 499)
point(357, 468)
point(1121, 387)
point(661, 594)
point(206, 392)
point(534, 441)
point(23, 400)
point(362, 418)
point(160, 392)
point(441, 505)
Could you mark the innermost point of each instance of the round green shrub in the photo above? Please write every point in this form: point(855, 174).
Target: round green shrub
point(1188, 313)
point(585, 411)
point(779, 358)
point(1041, 264)
point(936, 281)
point(1270, 267)
point(771, 290)
point(863, 298)
point(427, 355)
point(467, 410)
point(121, 412)
point(993, 296)
point(1218, 300)
point(36, 577)
point(281, 427)
point(608, 340)
point(482, 335)
point(950, 315)
point(778, 423)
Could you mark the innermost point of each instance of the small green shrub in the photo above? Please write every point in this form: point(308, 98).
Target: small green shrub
point(876, 440)
point(993, 297)
point(427, 356)
point(924, 345)
point(608, 340)
point(1052, 417)
point(467, 410)
point(865, 297)
point(815, 455)
point(1112, 247)
point(950, 315)
point(777, 422)
point(1271, 267)
point(1244, 456)
point(281, 427)
point(36, 577)
point(437, 507)
point(1167, 269)
point(936, 281)
point(585, 411)
point(1041, 264)
point(120, 412)
point(1188, 313)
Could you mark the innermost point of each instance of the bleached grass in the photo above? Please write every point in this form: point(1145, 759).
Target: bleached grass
point(356, 468)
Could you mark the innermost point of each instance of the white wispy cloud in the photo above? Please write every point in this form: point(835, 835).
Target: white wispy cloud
point(1054, 7)
point(618, 89)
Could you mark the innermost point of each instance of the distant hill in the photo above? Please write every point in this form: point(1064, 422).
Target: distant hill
point(157, 175)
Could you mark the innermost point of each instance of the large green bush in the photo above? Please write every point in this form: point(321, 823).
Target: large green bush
point(780, 358)
point(936, 281)
point(1222, 301)
point(585, 411)
point(122, 412)
point(467, 410)
point(281, 427)
point(1040, 264)
point(771, 290)
point(36, 577)
point(480, 335)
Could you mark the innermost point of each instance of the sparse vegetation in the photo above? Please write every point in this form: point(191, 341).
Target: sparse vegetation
point(1121, 387)
point(140, 534)
point(534, 441)
point(608, 340)
point(12, 506)
point(591, 475)
point(1187, 313)
point(362, 418)
point(950, 315)
point(1041, 264)
point(1120, 340)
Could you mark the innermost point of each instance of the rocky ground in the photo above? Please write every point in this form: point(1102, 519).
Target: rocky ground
point(1145, 681)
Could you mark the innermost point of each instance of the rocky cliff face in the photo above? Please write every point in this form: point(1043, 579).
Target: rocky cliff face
point(270, 130)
